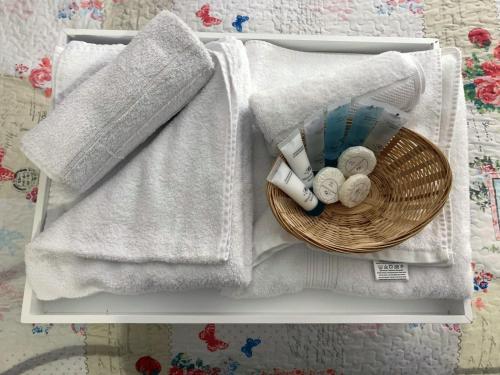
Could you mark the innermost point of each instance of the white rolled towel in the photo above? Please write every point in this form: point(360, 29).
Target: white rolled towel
point(115, 110)
point(391, 77)
point(76, 62)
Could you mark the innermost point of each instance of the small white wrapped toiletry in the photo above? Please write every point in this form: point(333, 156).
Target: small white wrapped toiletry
point(284, 178)
point(294, 152)
point(367, 114)
point(357, 160)
point(335, 130)
point(390, 123)
point(314, 134)
point(354, 190)
point(327, 184)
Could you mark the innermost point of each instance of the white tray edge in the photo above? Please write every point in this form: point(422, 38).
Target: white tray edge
point(32, 307)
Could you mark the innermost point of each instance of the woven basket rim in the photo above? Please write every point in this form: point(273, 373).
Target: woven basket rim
point(439, 201)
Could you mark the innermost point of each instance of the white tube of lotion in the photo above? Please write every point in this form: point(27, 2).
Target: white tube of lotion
point(295, 154)
point(283, 177)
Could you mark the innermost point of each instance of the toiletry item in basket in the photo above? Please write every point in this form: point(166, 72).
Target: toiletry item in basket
point(283, 177)
point(295, 154)
point(354, 190)
point(390, 123)
point(363, 121)
point(327, 184)
point(314, 134)
point(335, 126)
point(357, 160)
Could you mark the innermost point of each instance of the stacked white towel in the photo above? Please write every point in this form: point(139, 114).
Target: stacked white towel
point(277, 66)
point(103, 243)
point(176, 216)
point(298, 267)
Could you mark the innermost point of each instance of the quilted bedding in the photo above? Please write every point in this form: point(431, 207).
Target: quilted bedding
point(29, 30)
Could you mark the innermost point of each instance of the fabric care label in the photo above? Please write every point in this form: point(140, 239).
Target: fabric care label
point(390, 271)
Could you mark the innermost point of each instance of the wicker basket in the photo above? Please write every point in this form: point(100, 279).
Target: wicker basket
point(410, 185)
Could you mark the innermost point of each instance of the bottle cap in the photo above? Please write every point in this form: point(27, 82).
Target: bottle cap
point(316, 211)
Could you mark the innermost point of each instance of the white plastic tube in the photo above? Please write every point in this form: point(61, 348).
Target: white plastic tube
point(284, 178)
point(295, 154)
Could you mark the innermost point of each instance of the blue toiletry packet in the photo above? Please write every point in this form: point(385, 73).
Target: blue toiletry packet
point(335, 126)
point(363, 121)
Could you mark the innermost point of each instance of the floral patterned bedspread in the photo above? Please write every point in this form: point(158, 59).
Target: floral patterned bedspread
point(28, 32)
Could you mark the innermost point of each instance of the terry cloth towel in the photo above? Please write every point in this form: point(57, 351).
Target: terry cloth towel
point(269, 63)
point(298, 267)
point(432, 246)
point(209, 176)
point(122, 236)
point(277, 68)
point(72, 64)
point(116, 109)
point(281, 109)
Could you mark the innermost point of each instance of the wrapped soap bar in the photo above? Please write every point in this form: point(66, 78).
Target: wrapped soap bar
point(327, 184)
point(357, 160)
point(354, 190)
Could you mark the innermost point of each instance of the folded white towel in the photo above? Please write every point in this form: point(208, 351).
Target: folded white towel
point(122, 104)
point(298, 267)
point(169, 203)
point(281, 109)
point(277, 66)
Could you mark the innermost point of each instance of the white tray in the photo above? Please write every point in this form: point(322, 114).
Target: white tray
point(207, 305)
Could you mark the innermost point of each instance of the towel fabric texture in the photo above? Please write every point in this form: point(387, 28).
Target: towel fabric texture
point(195, 186)
point(281, 109)
point(76, 61)
point(176, 216)
point(298, 267)
point(120, 106)
point(280, 66)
